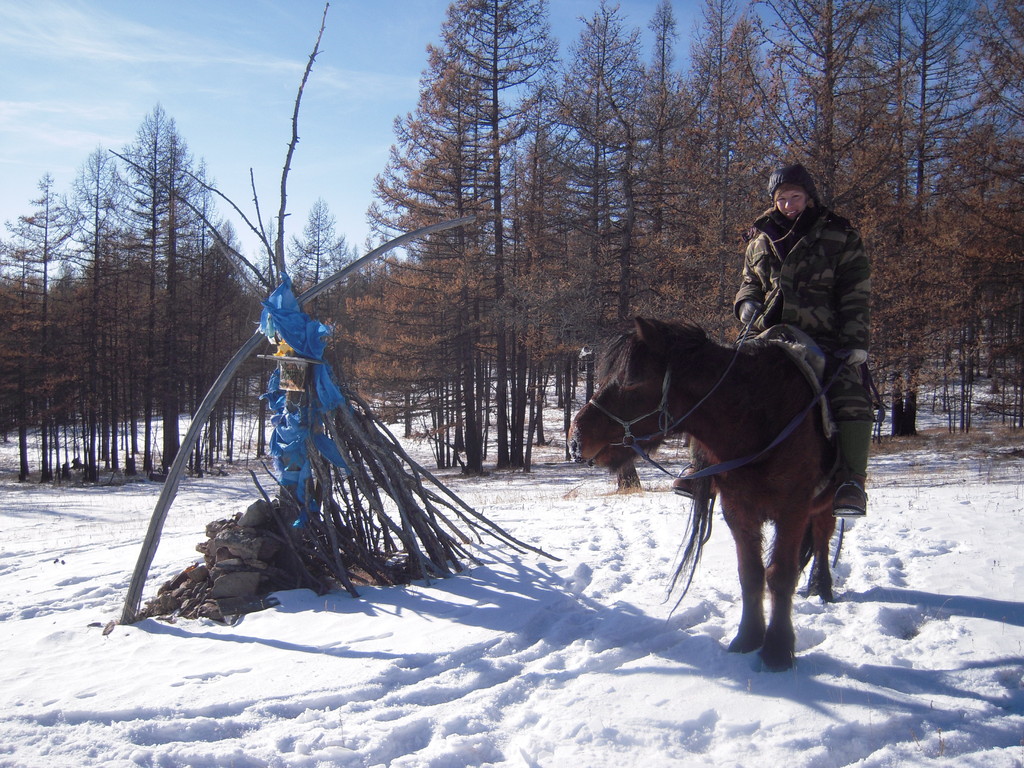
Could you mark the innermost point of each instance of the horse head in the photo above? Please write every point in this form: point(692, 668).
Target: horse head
point(630, 407)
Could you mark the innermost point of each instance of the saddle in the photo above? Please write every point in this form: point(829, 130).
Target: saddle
point(809, 359)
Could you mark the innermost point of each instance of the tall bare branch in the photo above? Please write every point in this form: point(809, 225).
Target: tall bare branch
point(279, 246)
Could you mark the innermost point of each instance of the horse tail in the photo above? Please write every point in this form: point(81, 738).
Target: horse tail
point(807, 546)
point(699, 531)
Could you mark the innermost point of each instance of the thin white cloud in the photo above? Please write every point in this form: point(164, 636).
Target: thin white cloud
point(367, 83)
point(18, 112)
point(52, 31)
point(50, 136)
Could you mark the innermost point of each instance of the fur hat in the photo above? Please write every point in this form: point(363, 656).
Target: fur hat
point(792, 174)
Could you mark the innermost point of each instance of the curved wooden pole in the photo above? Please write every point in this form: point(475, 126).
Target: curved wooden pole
point(132, 601)
point(331, 281)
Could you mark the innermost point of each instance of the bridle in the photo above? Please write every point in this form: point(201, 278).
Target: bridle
point(665, 423)
point(628, 439)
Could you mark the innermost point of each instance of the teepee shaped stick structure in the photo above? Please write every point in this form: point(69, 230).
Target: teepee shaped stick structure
point(421, 499)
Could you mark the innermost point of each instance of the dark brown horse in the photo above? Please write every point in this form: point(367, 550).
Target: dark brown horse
point(661, 380)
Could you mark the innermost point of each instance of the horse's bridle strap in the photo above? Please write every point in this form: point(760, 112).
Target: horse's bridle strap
point(628, 439)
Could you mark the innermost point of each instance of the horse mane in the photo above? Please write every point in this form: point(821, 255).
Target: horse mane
point(627, 355)
point(615, 362)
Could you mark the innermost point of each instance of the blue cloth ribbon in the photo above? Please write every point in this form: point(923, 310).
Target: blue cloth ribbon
point(289, 444)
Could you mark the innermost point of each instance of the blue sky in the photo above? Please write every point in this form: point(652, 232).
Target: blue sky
point(78, 75)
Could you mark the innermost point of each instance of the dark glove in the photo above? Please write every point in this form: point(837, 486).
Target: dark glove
point(749, 309)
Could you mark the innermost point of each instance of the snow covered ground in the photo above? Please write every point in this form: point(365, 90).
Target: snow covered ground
point(524, 661)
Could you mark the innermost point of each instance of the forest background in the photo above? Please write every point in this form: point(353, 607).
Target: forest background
point(605, 183)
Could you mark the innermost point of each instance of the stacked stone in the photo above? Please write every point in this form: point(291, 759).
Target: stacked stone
point(240, 567)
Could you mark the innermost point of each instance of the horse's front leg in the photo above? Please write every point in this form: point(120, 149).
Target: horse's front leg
point(783, 571)
point(751, 569)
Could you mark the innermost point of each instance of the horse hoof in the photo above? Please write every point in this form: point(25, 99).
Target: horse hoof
point(825, 594)
point(745, 644)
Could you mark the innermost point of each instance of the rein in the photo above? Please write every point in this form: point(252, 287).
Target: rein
point(726, 466)
point(631, 441)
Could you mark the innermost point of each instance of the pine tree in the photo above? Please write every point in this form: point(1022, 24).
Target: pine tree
point(985, 186)
point(39, 239)
point(827, 90)
point(503, 46)
point(321, 251)
point(923, 45)
point(97, 201)
point(601, 105)
point(452, 159)
point(160, 174)
point(719, 163)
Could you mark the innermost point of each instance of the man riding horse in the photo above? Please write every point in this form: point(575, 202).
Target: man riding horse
point(805, 266)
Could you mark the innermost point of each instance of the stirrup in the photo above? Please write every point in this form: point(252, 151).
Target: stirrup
point(850, 500)
point(683, 485)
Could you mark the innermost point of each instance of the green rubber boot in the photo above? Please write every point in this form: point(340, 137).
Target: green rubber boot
point(851, 500)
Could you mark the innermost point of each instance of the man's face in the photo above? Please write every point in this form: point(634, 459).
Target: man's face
point(791, 200)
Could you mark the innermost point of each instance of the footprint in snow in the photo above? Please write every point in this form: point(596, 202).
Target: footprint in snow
point(902, 623)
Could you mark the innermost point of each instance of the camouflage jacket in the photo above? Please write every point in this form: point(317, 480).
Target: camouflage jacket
point(822, 285)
